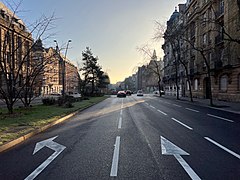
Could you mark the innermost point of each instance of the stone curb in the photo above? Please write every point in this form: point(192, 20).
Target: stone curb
point(37, 131)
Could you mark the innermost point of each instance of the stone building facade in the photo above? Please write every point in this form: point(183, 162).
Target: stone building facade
point(15, 55)
point(211, 46)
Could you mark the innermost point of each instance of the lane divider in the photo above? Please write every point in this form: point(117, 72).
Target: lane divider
point(193, 110)
point(182, 124)
point(222, 147)
point(218, 117)
point(114, 168)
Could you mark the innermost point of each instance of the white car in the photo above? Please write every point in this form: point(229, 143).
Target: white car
point(139, 93)
point(75, 95)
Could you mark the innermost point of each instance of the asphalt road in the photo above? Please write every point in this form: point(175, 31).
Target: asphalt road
point(132, 138)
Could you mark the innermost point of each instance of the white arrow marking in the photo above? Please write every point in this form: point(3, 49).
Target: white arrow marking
point(58, 148)
point(168, 148)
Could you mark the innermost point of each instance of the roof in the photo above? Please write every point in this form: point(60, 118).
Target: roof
point(10, 13)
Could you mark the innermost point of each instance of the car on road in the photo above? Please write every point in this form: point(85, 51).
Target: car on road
point(121, 94)
point(157, 92)
point(139, 93)
point(128, 92)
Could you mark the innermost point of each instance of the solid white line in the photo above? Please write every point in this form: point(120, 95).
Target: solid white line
point(182, 123)
point(120, 123)
point(114, 168)
point(162, 112)
point(191, 109)
point(220, 118)
point(222, 147)
point(187, 168)
point(177, 105)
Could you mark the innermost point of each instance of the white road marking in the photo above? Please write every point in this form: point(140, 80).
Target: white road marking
point(168, 148)
point(121, 112)
point(222, 147)
point(187, 168)
point(177, 105)
point(182, 124)
point(115, 159)
point(152, 107)
point(166, 102)
point(120, 123)
point(162, 112)
point(146, 103)
point(191, 109)
point(58, 148)
point(220, 118)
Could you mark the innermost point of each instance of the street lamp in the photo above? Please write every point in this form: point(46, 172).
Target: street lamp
point(62, 64)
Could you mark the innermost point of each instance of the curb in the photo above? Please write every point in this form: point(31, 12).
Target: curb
point(39, 130)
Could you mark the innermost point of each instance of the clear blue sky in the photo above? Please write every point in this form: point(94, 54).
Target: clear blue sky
point(111, 28)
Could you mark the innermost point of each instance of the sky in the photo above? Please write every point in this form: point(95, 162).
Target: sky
point(113, 29)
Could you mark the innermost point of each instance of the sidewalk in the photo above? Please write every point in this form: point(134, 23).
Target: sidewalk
point(223, 105)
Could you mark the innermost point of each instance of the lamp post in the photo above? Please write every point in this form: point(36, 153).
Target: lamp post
point(62, 61)
point(65, 57)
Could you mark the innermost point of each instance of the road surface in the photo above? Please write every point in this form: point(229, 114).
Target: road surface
point(132, 138)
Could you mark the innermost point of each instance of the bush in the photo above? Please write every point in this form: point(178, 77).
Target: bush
point(68, 104)
point(48, 101)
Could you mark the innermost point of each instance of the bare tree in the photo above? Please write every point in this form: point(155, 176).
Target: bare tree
point(154, 66)
point(19, 71)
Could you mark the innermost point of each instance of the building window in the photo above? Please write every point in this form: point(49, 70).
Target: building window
point(196, 84)
point(223, 83)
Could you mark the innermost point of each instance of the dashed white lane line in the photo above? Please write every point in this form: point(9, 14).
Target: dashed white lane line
point(120, 123)
point(182, 124)
point(162, 112)
point(121, 112)
point(177, 105)
point(225, 119)
point(115, 159)
point(152, 107)
point(222, 147)
point(191, 109)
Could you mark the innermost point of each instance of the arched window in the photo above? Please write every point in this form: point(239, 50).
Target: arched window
point(223, 83)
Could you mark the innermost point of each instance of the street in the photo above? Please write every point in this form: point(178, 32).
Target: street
point(132, 138)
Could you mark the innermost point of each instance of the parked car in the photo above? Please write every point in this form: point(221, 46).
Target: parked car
point(157, 92)
point(75, 95)
point(121, 94)
point(128, 92)
point(139, 93)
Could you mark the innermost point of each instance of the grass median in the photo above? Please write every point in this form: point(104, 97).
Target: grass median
point(23, 120)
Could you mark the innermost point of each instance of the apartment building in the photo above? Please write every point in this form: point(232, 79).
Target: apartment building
point(210, 48)
point(15, 55)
